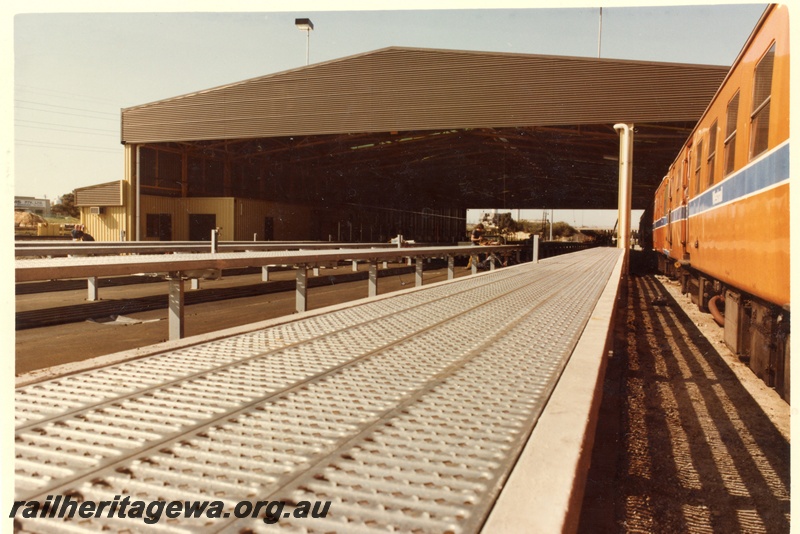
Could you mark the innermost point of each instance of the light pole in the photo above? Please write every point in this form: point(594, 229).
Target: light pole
point(305, 25)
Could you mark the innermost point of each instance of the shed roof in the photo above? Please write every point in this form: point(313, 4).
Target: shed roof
point(459, 128)
point(402, 89)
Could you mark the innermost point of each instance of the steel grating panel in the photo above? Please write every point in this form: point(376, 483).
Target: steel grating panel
point(400, 411)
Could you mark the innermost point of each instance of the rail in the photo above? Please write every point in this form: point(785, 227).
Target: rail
point(69, 248)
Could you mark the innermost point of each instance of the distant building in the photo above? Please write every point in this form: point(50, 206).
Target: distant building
point(39, 206)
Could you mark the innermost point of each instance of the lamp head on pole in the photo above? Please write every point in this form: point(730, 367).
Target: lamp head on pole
point(304, 24)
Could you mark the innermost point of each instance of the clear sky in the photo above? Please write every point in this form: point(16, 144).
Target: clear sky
point(73, 72)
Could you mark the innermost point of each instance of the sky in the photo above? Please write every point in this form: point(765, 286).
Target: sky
point(74, 71)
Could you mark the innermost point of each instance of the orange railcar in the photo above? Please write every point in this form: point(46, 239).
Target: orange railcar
point(721, 215)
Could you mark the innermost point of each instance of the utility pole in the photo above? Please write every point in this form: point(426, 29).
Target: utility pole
point(305, 25)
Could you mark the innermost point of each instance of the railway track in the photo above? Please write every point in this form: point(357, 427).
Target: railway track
point(405, 412)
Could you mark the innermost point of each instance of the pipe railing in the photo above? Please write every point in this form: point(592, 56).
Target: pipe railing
point(182, 266)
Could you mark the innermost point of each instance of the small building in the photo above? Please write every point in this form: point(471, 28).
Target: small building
point(39, 206)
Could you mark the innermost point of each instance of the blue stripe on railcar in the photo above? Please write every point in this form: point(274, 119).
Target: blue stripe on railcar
point(676, 215)
point(769, 170)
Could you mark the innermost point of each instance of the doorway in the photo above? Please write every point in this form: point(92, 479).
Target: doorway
point(200, 226)
point(269, 229)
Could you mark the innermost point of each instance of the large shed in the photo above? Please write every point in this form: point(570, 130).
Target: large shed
point(407, 136)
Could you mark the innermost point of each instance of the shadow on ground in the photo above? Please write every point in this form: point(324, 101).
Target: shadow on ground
point(681, 445)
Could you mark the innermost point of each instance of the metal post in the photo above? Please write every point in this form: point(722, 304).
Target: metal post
point(301, 289)
point(492, 260)
point(93, 288)
point(355, 265)
point(265, 273)
point(625, 186)
point(175, 314)
point(474, 259)
point(451, 267)
point(418, 272)
point(194, 283)
point(308, 44)
point(536, 249)
point(373, 279)
point(214, 236)
point(138, 233)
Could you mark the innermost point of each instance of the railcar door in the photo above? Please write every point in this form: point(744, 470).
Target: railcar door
point(668, 211)
point(684, 208)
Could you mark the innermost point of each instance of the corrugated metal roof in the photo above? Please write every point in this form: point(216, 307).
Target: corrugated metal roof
point(107, 194)
point(401, 89)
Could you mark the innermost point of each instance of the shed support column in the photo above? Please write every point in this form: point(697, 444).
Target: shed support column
point(176, 326)
point(93, 288)
point(373, 279)
point(418, 271)
point(265, 273)
point(625, 186)
point(451, 267)
point(301, 289)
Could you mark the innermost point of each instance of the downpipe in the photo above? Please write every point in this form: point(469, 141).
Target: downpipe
point(625, 186)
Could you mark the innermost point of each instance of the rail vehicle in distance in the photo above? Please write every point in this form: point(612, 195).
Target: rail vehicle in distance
point(721, 214)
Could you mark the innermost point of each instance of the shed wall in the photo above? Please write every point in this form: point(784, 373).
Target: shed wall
point(180, 210)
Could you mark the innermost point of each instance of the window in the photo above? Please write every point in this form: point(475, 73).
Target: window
point(730, 133)
point(762, 92)
point(698, 160)
point(712, 152)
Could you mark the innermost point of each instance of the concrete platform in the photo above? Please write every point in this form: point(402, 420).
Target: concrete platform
point(406, 411)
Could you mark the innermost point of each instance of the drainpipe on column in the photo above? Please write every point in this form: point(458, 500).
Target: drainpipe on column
point(138, 233)
point(625, 186)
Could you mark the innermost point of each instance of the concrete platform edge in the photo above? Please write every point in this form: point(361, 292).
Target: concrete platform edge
point(545, 490)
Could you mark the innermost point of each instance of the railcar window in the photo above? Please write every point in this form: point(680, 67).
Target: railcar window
point(712, 153)
point(762, 92)
point(730, 133)
point(698, 160)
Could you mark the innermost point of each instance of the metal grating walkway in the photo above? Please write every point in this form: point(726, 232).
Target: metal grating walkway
point(407, 413)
